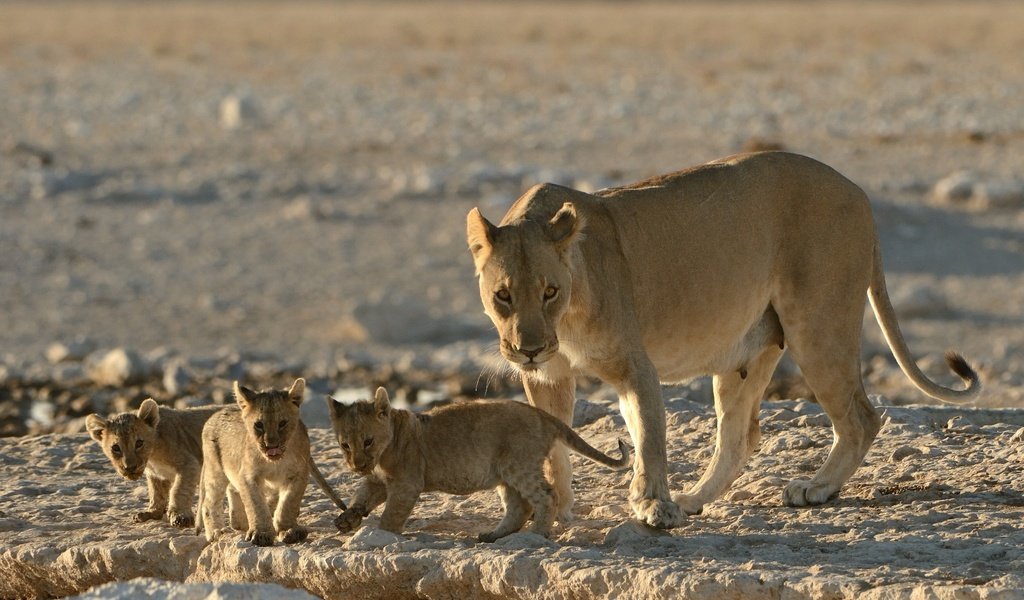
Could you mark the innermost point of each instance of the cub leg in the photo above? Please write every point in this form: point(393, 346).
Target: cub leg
point(236, 509)
point(557, 399)
point(286, 516)
point(371, 493)
point(737, 401)
point(261, 525)
point(402, 497)
point(517, 510)
point(182, 491)
point(535, 490)
point(214, 483)
point(643, 409)
point(158, 492)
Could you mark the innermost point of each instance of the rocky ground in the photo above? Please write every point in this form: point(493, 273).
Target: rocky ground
point(193, 193)
point(934, 512)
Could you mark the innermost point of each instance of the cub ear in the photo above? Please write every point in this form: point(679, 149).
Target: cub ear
point(149, 412)
point(480, 235)
point(334, 408)
point(381, 402)
point(564, 227)
point(95, 425)
point(298, 390)
point(243, 396)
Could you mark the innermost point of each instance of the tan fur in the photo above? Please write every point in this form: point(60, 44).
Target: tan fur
point(710, 270)
point(258, 453)
point(459, 449)
point(165, 445)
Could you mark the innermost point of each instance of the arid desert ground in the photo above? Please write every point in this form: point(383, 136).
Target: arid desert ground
point(192, 193)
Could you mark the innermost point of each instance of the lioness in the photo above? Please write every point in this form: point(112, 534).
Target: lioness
point(163, 443)
point(457, 449)
point(716, 269)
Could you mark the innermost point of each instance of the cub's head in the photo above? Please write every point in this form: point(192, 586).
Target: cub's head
point(363, 429)
point(525, 280)
point(128, 438)
point(270, 416)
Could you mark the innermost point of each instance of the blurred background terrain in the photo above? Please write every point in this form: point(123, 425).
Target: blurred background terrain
point(196, 192)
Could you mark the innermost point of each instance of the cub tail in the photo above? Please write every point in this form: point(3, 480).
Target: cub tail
point(326, 487)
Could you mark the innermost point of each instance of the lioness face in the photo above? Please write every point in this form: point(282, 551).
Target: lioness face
point(270, 417)
point(363, 430)
point(127, 439)
point(525, 281)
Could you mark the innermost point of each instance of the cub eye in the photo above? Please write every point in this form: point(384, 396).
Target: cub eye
point(282, 425)
point(368, 443)
point(550, 292)
point(258, 426)
point(503, 295)
point(344, 447)
point(138, 444)
point(116, 449)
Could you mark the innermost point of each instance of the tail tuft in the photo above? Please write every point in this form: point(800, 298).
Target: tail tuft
point(959, 366)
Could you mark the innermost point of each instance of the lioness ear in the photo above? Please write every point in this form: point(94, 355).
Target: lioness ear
point(149, 412)
point(564, 226)
point(95, 425)
point(480, 236)
point(243, 396)
point(381, 402)
point(298, 390)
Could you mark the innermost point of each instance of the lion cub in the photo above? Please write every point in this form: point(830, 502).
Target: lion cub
point(163, 443)
point(458, 449)
point(258, 452)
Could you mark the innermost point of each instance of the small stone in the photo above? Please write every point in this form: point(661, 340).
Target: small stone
point(69, 374)
point(956, 188)
point(370, 538)
point(585, 413)
point(176, 377)
point(115, 367)
point(235, 110)
point(903, 452)
point(999, 194)
point(76, 349)
point(522, 540)
point(1018, 436)
point(918, 300)
point(631, 532)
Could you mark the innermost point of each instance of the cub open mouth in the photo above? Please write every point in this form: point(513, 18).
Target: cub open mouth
point(273, 453)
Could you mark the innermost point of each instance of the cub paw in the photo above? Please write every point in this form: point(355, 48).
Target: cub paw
point(148, 515)
point(260, 538)
point(802, 492)
point(295, 535)
point(689, 503)
point(488, 537)
point(182, 520)
point(348, 521)
point(662, 514)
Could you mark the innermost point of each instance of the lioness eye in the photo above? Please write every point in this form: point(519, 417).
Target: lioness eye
point(116, 449)
point(258, 426)
point(138, 444)
point(368, 443)
point(503, 295)
point(550, 292)
point(282, 424)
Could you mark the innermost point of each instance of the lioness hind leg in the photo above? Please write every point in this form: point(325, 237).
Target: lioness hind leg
point(737, 400)
point(517, 510)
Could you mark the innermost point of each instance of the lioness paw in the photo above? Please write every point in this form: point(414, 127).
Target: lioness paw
point(182, 520)
point(294, 535)
point(488, 537)
point(260, 538)
point(148, 515)
point(348, 521)
point(802, 492)
point(663, 514)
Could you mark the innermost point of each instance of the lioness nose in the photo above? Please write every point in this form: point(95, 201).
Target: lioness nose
point(531, 352)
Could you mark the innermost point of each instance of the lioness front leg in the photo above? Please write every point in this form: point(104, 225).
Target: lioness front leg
point(643, 409)
point(558, 399)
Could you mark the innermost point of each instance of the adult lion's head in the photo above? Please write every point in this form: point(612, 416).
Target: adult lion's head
point(525, 280)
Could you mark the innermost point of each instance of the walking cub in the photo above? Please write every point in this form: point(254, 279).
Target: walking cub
point(163, 443)
point(258, 453)
point(458, 449)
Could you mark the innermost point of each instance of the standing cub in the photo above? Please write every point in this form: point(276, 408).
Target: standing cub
point(458, 449)
point(163, 443)
point(258, 452)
